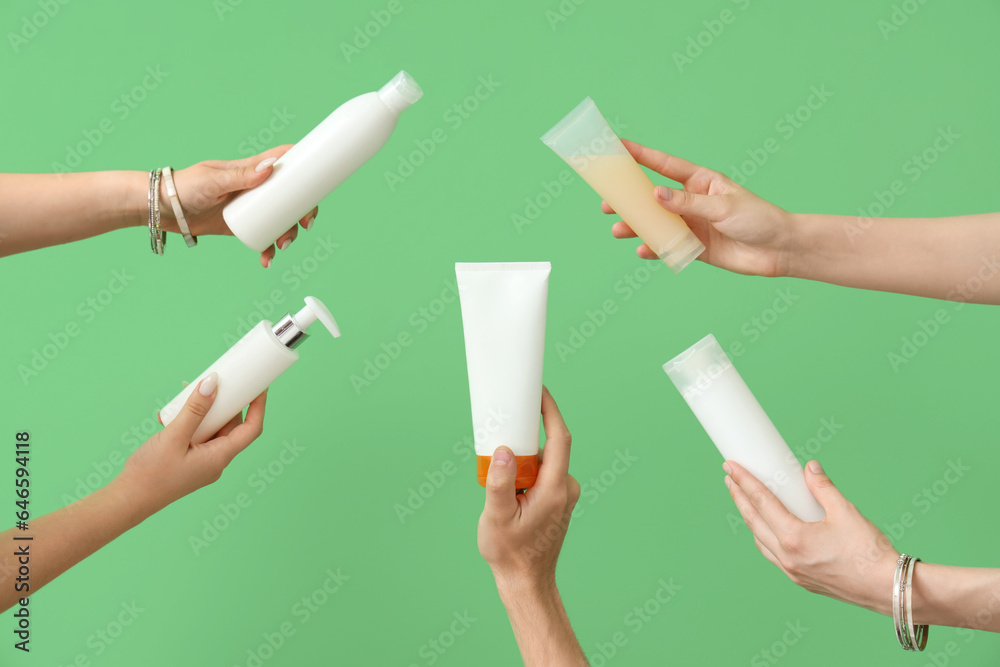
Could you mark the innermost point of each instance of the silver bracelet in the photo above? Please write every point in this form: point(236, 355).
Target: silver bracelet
point(157, 237)
point(175, 204)
point(910, 637)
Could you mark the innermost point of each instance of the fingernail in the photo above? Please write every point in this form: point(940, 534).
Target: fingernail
point(308, 224)
point(267, 262)
point(729, 481)
point(264, 164)
point(208, 385)
point(501, 457)
point(727, 468)
point(664, 193)
point(284, 244)
point(815, 467)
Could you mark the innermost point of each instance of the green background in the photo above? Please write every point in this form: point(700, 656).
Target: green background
point(665, 517)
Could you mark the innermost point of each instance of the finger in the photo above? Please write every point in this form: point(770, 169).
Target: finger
point(621, 230)
point(823, 489)
point(606, 207)
point(198, 404)
point(761, 531)
point(770, 556)
point(267, 257)
point(307, 222)
point(247, 173)
point(230, 425)
point(557, 444)
point(684, 202)
point(501, 498)
point(251, 428)
point(286, 239)
point(671, 166)
point(770, 509)
point(251, 161)
point(645, 252)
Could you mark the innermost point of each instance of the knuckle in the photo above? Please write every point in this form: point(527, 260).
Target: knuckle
point(573, 492)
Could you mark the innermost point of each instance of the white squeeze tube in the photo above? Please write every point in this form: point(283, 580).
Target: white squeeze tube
point(317, 164)
point(738, 425)
point(251, 365)
point(585, 140)
point(503, 315)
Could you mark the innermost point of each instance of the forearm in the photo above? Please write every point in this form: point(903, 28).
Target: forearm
point(541, 627)
point(944, 258)
point(65, 537)
point(39, 210)
point(961, 597)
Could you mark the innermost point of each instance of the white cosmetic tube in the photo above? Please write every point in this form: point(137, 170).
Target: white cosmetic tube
point(738, 425)
point(503, 315)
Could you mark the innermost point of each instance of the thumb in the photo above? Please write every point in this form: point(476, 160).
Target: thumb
point(198, 404)
point(823, 489)
point(501, 498)
point(246, 174)
point(713, 208)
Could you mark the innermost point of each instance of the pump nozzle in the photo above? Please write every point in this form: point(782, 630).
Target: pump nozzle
point(313, 310)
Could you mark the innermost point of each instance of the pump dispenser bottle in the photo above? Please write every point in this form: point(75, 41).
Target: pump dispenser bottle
point(251, 365)
point(317, 164)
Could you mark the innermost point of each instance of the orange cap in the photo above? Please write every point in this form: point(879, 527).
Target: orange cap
point(527, 470)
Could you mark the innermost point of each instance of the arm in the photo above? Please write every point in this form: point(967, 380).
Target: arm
point(520, 536)
point(847, 558)
point(943, 258)
point(166, 468)
point(40, 210)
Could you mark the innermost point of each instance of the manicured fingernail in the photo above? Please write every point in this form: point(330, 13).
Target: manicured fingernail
point(308, 224)
point(501, 457)
point(729, 481)
point(664, 193)
point(267, 262)
point(208, 385)
point(264, 164)
point(727, 468)
point(815, 467)
point(284, 244)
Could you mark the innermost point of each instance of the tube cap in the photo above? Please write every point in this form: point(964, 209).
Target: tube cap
point(527, 470)
point(400, 93)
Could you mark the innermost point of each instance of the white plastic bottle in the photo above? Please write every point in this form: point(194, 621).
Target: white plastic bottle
point(251, 365)
point(317, 164)
point(738, 425)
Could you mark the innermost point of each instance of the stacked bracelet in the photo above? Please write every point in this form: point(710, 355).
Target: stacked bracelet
point(157, 237)
point(910, 637)
point(175, 204)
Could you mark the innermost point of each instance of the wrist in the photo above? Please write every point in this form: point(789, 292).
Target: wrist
point(525, 587)
point(136, 198)
point(137, 497)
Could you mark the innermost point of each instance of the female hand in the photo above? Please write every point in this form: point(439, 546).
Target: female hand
point(742, 232)
point(168, 467)
point(844, 556)
point(204, 190)
point(520, 536)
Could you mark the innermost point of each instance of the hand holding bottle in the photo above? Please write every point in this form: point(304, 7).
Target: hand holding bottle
point(742, 232)
point(168, 466)
point(520, 536)
point(204, 190)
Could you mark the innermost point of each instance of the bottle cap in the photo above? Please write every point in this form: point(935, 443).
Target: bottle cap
point(291, 329)
point(400, 93)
